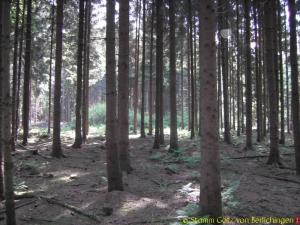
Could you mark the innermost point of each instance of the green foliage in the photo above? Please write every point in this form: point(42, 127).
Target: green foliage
point(97, 114)
point(156, 157)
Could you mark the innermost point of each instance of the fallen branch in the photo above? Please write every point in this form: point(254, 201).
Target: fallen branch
point(255, 156)
point(70, 207)
point(17, 206)
point(279, 178)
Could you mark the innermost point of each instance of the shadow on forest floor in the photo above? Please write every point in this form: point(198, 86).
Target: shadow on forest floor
point(161, 186)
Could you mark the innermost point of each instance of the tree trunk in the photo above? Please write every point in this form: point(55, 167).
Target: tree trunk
point(86, 71)
point(27, 76)
point(137, 69)
point(173, 99)
point(123, 82)
point(294, 78)
point(270, 32)
point(143, 135)
point(19, 69)
point(15, 75)
point(159, 73)
point(150, 100)
point(192, 70)
point(5, 104)
point(281, 82)
point(238, 73)
point(224, 49)
point(56, 144)
point(114, 174)
point(248, 76)
point(210, 198)
point(78, 128)
point(50, 67)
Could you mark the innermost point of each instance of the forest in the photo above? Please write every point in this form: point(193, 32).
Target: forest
point(149, 112)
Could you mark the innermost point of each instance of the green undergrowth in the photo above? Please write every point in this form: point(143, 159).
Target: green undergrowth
point(177, 156)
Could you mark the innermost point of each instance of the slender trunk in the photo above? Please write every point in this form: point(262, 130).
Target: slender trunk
point(15, 75)
point(173, 99)
point(238, 73)
point(281, 82)
point(294, 78)
point(78, 128)
point(270, 32)
point(50, 66)
point(56, 144)
point(20, 68)
point(137, 64)
point(86, 71)
point(159, 73)
point(287, 75)
point(114, 174)
point(248, 77)
point(143, 73)
point(192, 70)
point(27, 76)
point(181, 84)
point(150, 101)
point(224, 49)
point(123, 82)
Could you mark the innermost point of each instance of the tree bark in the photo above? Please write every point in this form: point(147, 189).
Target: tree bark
point(150, 100)
point(294, 78)
point(5, 104)
point(78, 128)
point(86, 71)
point(270, 32)
point(159, 74)
point(123, 83)
point(173, 99)
point(143, 135)
point(15, 75)
point(114, 174)
point(248, 76)
point(210, 198)
point(27, 76)
point(56, 144)
point(50, 67)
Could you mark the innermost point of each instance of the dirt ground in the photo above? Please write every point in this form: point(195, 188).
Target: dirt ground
point(161, 187)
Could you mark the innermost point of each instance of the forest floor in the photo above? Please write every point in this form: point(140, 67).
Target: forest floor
point(73, 190)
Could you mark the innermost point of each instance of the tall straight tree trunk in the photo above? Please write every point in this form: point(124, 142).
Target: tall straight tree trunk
point(258, 74)
point(281, 81)
point(15, 75)
point(1, 111)
point(114, 174)
point(86, 71)
point(56, 144)
point(286, 75)
point(270, 32)
point(27, 76)
point(5, 107)
point(159, 71)
point(294, 78)
point(210, 198)
point(224, 49)
point(173, 99)
point(219, 88)
point(238, 73)
point(192, 70)
point(137, 70)
point(78, 128)
point(123, 83)
point(150, 100)
point(181, 83)
point(143, 73)
point(248, 75)
point(50, 67)
point(20, 68)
